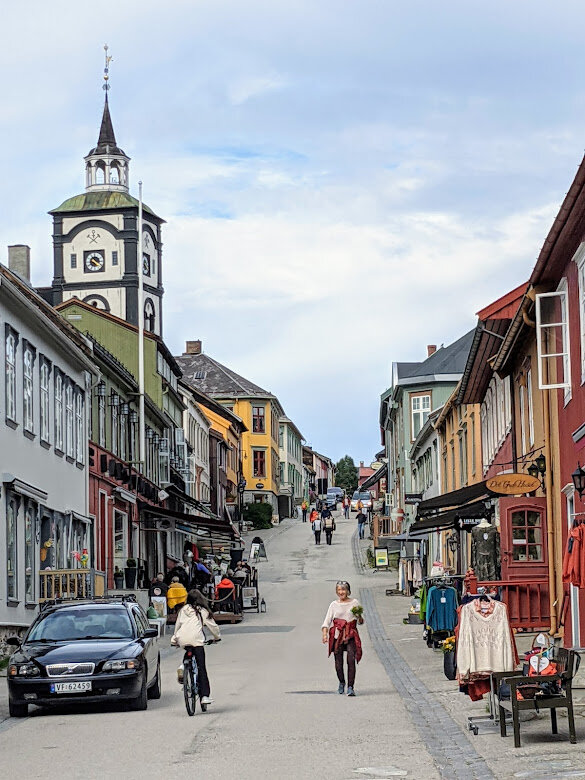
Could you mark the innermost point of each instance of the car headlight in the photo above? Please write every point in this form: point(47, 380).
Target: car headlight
point(120, 665)
point(23, 670)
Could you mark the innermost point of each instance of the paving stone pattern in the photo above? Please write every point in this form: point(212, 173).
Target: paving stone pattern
point(454, 755)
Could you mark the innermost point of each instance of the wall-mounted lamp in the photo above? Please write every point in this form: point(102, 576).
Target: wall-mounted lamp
point(124, 408)
point(100, 390)
point(453, 542)
point(133, 416)
point(578, 477)
point(538, 469)
point(114, 400)
point(149, 433)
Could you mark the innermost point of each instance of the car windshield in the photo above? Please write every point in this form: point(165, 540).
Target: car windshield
point(365, 497)
point(70, 624)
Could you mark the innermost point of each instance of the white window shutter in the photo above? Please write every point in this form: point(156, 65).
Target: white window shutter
point(552, 340)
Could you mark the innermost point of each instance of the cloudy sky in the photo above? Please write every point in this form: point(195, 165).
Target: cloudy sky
point(344, 182)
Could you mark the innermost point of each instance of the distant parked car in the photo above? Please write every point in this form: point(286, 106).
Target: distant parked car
point(337, 492)
point(331, 501)
point(361, 495)
point(85, 651)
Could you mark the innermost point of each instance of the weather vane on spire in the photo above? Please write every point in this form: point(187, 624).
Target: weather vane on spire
point(107, 70)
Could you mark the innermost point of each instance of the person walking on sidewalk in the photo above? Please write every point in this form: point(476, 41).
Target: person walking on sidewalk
point(304, 507)
point(317, 525)
point(346, 503)
point(340, 633)
point(313, 516)
point(361, 518)
point(328, 524)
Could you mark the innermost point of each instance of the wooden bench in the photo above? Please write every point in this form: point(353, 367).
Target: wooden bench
point(567, 662)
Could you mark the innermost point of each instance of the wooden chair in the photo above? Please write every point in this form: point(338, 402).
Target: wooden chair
point(567, 662)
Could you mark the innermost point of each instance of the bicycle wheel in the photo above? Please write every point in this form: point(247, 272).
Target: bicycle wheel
point(189, 690)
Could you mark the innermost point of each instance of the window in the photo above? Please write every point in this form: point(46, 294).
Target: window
point(115, 425)
point(552, 340)
point(530, 408)
point(44, 405)
point(11, 561)
point(27, 389)
point(29, 523)
point(526, 535)
point(258, 419)
point(523, 418)
point(281, 436)
point(11, 376)
point(58, 412)
point(421, 407)
point(69, 429)
point(102, 415)
point(114, 258)
point(259, 457)
point(149, 317)
point(79, 427)
point(73, 261)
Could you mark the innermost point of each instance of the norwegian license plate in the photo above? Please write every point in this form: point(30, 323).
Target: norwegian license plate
point(71, 687)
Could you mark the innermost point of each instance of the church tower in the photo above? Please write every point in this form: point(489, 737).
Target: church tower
point(95, 237)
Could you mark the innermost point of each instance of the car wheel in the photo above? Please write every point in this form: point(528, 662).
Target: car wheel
point(141, 701)
point(17, 710)
point(154, 691)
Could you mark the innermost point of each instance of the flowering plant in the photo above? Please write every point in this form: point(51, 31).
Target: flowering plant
point(358, 611)
point(448, 645)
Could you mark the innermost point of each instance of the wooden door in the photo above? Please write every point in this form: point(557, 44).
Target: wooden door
point(523, 543)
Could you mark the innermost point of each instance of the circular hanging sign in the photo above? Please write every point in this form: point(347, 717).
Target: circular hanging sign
point(512, 484)
point(259, 485)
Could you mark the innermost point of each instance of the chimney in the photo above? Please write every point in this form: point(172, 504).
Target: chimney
point(431, 349)
point(193, 348)
point(361, 464)
point(19, 260)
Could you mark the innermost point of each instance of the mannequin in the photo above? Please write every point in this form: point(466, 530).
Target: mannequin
point(485, 551)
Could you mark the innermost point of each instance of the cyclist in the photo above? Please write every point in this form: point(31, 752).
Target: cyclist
point(191, 620)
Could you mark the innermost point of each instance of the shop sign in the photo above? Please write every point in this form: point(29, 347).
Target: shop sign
point(512, 484)
point(381, 557)
point(412, 498)
point(467, 523)
point(259, 485)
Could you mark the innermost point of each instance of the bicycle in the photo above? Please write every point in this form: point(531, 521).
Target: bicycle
point(190, 678)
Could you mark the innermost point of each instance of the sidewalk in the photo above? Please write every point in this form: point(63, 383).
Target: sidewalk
point(542, 755)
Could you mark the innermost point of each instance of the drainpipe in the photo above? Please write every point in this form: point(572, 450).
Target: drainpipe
point(549, 517)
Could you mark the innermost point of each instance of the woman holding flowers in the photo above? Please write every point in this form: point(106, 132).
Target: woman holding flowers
point(340, 632)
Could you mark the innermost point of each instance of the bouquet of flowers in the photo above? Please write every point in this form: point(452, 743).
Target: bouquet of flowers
point(448, 645)
point(358, 611)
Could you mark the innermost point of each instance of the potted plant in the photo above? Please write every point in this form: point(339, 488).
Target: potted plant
point(449, 661)
point(130, 572)
point(118, 578)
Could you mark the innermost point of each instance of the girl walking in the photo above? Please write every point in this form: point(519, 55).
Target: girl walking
point(340, 632)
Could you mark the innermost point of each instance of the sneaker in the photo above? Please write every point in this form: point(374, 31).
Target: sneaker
point(180, 675)
point(206, 700)
point(341, 689)
point(350, 691)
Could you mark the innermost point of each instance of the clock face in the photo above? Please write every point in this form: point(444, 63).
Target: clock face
point(94, 261)
point(146, 264)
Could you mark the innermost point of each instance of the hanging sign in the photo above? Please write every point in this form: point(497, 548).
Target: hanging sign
point(412, 498)
point(467, 523)
point(512, 484)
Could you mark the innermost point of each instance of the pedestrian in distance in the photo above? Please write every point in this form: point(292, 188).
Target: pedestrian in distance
point(328, 524)
point(314, 515)
point(317, 525)
point(340, 633)
point(361, 520)
point(304, 507)
point(346, 503)
point(193, 617)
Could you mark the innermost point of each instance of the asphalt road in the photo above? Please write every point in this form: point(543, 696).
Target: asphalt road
point(276, 714)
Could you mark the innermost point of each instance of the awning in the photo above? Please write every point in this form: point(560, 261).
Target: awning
point(442, 521)
point(374, 478)
point(454, 498)
point(199, 521)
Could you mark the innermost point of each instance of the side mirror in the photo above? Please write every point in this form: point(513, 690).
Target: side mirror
point(150, 633)
point(14, 641)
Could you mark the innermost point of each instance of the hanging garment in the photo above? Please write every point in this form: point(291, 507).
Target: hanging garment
point(442, 608)
point(485, 642)
point(417, 577)
point(485, 552)
point(423, 602)
point(573, 563)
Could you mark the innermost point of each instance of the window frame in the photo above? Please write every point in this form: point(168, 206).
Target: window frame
point(562, 294)
point(80, 438)
point(419, 412)
point(58, 385)
point(10, 338)
point(259, 419)
point(45, 400)
point(12, 509)
point(28, 387)
point(69, 420)
point(259, 455)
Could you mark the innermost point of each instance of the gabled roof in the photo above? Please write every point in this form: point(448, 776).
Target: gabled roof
point(217, 380)
point(493, 323)
point(206, 400)
point(446, 362)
